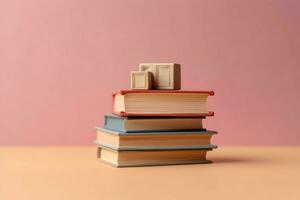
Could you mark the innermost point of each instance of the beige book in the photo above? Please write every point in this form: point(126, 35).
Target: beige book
point(146, 158)
point(163, 124)
point(141, 80)
point(166, 76)
point(161, 103)
point(155, 140)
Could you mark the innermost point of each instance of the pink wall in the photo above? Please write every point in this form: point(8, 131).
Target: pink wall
point(61, 60)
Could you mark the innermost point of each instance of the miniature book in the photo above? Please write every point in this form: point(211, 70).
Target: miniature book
point(141, 80)
point(166, 76)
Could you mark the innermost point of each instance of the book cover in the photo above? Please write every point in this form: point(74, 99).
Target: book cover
point(206, 132)
point(149, 148)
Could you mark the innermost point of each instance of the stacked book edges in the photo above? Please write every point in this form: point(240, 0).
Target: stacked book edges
point(153, 148)
point(155, 127)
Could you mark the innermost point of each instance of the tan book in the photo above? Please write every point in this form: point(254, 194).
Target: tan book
point(150, 158)
point(141, 80)
point(161, 103)
point(155, 140)
point(166, 76)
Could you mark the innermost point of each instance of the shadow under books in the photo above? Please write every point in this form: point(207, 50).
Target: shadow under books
point(228, 159)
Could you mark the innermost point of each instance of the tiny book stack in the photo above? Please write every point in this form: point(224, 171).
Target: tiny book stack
point(156, 123)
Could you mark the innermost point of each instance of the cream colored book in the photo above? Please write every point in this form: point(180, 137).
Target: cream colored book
point(141, 80)
point(150, 158)
point(155, 140)
point(166, 76)
point(179, 103)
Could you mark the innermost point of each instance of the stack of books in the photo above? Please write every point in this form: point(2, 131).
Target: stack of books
point(156, 123)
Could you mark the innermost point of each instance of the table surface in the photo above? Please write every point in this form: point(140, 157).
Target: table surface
point(74, 173)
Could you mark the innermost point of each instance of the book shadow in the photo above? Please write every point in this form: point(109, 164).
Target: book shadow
point(235, 160)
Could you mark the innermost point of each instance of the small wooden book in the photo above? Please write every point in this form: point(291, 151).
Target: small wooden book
point(141, 80)
point(166, 76)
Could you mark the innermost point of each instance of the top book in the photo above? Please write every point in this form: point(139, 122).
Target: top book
point(181, 103)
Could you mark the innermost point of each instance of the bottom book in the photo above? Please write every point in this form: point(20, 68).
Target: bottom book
point(133, 158)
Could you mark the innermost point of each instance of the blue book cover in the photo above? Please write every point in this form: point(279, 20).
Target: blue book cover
point(122, 133)
point(152, 124)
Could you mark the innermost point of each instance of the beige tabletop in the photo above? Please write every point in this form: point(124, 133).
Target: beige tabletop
point(56, 173)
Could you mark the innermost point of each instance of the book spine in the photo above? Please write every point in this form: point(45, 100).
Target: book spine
point(113, 123)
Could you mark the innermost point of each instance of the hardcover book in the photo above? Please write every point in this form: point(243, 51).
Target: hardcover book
point(150, 157)
point(182, 103)
point(155, 140)
point(143, 124)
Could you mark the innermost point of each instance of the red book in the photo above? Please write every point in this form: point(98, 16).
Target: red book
point(181, 103)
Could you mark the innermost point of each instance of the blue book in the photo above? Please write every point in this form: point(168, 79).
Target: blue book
point(152, 124)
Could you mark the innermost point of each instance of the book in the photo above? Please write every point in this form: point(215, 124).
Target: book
point(151, 157)
point(141, 80)
point(143, 124)
point(154, 140)
point(161, 103)
point(166, 76)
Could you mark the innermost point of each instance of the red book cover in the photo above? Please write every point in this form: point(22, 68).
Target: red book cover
point(211, 93)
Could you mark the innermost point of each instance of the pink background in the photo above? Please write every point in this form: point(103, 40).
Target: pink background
point(60, 61)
